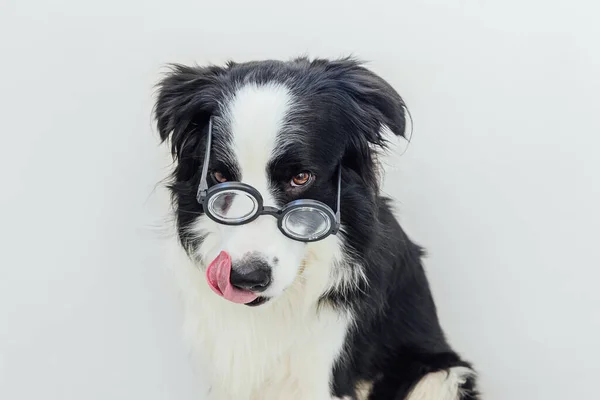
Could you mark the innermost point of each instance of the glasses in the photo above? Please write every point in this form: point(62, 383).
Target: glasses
point(236, 203)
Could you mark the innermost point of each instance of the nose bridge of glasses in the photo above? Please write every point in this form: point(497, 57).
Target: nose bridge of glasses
point(269, 210)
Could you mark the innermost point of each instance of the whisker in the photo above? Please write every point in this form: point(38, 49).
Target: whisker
point(190, 212)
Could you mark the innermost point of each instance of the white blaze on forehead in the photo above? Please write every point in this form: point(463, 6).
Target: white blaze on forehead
point(256, 115)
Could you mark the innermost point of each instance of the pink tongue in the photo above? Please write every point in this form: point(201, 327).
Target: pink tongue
point(217, 275)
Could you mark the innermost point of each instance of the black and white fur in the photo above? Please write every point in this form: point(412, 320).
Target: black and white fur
point(348, 317)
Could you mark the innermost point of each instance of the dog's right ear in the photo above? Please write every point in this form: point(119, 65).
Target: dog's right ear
point(186, 96)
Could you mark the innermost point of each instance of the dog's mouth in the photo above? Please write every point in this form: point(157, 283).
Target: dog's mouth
point(258, 301)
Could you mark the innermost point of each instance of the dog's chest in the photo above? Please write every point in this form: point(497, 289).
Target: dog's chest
point(265, 354)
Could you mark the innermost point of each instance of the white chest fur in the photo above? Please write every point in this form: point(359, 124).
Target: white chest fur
point(283, 350)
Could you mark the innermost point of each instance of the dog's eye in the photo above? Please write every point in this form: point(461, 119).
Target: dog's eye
point(301, 179)
point(219, 177)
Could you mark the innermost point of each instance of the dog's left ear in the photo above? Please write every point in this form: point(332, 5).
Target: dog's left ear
point(373, 102)
point(187, 97)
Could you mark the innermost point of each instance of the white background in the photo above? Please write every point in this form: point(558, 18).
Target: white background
point(500, 182)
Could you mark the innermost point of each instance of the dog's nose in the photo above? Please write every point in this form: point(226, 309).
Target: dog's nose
point(251, 274)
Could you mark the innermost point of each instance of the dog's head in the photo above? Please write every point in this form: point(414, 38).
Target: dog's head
point(285, 128)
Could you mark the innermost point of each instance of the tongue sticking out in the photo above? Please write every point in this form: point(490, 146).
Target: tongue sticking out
point(217, 275)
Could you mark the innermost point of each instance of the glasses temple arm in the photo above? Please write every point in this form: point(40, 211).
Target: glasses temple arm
point(339, 195)
point(203, 183)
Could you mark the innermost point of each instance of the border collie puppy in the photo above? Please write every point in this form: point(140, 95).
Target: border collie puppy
point(296, 278)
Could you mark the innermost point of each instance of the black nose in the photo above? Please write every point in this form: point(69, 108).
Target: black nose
point(251, 274)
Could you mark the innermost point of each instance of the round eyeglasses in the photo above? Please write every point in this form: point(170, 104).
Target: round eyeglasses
point(236, 203)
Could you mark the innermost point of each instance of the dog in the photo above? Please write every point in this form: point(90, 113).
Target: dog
point(297, 280)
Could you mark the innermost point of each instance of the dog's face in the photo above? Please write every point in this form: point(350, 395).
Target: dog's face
point(283, 128)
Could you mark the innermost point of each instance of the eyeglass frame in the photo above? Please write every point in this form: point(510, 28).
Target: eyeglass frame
point(205, 193)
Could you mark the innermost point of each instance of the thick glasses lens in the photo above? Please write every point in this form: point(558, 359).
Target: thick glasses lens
point(232, 206)
point(306, 223)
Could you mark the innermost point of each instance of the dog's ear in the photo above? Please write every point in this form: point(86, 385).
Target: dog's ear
point(373, 102)
point(187, 97)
